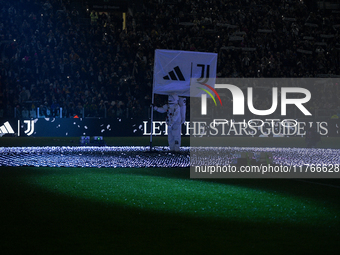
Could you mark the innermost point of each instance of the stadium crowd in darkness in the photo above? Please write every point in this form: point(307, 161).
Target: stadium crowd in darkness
point(58, 54)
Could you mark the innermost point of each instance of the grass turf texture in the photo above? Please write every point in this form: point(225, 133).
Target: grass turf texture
point(163, 211)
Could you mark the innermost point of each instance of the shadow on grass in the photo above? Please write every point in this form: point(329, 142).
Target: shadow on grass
point(39, 221)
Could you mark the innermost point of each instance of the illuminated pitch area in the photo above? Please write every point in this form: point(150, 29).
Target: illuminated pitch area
point(94, 156)
point(280, 156)
point(140, 156)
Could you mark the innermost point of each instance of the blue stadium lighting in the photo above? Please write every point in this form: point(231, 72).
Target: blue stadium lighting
point(280, 156)
point(139, 156)
point(93, 156)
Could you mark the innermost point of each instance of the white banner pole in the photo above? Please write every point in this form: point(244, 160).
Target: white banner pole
point(152, 102)
point(151, 122)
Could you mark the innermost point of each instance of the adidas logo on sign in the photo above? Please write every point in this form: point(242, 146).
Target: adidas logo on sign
point(172, 75)
point(6, 129)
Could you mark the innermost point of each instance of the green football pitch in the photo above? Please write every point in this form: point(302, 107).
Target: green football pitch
point(163, 211)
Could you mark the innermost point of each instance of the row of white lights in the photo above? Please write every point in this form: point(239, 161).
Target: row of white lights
point(139, 156)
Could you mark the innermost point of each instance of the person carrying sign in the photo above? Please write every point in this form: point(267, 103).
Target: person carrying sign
point(173, 120)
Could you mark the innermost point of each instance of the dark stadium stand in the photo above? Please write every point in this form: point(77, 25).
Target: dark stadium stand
point(62, 54)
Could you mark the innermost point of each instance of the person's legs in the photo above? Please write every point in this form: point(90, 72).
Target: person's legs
point(176, 132)
point(171, 138)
